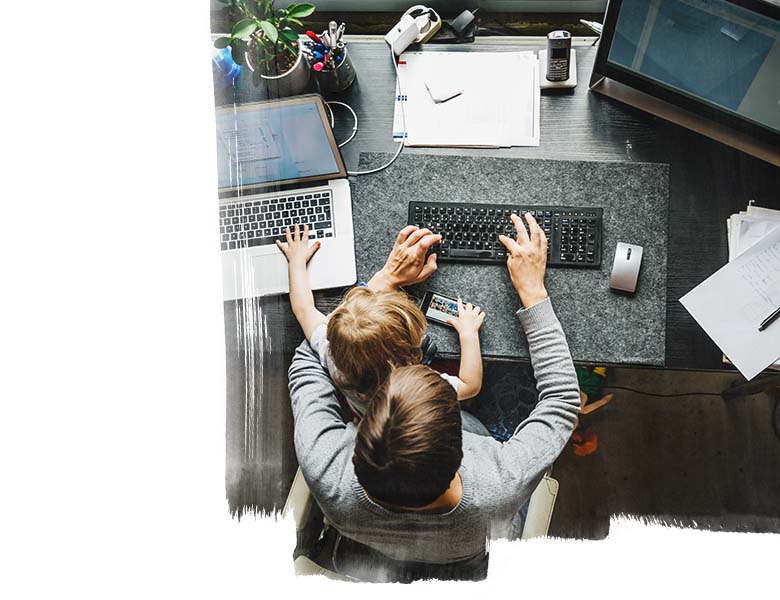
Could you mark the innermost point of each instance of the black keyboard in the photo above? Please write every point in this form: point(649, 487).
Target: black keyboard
point(470, 231)
point(247, 223)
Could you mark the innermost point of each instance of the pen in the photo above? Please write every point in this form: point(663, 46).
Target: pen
point(769, 320)
point(593, 26)
point(314, 36)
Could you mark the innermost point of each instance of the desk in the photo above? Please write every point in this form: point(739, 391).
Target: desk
point(709, 182)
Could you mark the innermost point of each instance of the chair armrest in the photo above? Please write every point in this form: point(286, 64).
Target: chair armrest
point(299, 501)
point(540, 508)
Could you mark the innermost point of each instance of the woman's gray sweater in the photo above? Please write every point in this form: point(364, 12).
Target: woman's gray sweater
point(498, 478)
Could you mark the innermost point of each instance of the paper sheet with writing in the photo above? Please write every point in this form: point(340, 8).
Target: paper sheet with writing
point(732, 303)
point(498, 105)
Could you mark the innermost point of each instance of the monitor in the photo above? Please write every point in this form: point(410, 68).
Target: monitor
point(715, 58)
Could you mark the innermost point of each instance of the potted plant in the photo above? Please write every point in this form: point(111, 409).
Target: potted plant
point(264, 38)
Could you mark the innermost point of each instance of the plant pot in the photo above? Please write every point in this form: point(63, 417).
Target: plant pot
point(290, 83)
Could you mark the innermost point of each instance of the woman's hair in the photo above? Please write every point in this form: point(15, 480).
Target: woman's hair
point(409, 443)
point(369, 334)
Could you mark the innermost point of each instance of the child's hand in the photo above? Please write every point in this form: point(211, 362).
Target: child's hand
point(297, 249)
point(469, 319)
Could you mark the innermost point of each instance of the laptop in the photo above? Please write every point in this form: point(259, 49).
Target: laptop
point(278, 165)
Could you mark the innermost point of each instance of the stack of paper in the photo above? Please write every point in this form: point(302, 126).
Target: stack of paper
point(732, 303)
point(494, 99)
point(748, 227)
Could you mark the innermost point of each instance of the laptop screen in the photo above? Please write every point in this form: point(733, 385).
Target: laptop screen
point(714, 52)
point(270, 144)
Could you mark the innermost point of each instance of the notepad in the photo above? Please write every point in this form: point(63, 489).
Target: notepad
point(497, 104)
point(732, 303)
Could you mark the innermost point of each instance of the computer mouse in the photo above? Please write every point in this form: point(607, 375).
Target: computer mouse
point(625, 269)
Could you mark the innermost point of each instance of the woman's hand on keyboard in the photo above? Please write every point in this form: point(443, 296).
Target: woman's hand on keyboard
point(407, 263)
point(298, 249)
point(527, 260)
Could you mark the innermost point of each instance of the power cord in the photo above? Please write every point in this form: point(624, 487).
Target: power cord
point(627, 389)
point(333, 122)
point(398, 98)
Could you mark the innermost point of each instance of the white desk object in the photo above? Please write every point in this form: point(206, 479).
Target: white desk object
point(498, 106)
point(546, 84)
point(732, 303)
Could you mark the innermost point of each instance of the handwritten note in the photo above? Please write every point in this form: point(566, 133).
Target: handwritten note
point(731, 304)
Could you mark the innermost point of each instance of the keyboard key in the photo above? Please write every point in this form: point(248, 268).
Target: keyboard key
point(323, 225)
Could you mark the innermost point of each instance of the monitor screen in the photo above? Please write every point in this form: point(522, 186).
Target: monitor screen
point(711, 51)
point(274, 143)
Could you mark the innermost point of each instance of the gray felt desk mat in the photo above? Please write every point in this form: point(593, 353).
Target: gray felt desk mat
point(601, 326)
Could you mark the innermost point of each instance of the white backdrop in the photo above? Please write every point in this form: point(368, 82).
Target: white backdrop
point(112, 434)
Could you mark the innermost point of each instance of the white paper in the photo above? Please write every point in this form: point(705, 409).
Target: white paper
point(751, 231)
point(499, 105)
point(732, 303)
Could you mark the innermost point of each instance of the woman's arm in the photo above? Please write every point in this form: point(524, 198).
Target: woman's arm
point(298, 254)
point(467, 324)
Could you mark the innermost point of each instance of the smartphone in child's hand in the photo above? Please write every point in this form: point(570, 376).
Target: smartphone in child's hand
point(438, 308)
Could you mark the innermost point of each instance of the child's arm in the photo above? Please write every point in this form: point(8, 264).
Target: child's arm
point(298, 254)
point(467, 325)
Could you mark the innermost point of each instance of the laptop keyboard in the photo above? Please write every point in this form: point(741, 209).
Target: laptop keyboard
point(248, 223)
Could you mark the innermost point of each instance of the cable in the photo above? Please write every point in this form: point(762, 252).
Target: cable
point(332, 119)
point(403, 116)
point(627, 389)
point(354, 116)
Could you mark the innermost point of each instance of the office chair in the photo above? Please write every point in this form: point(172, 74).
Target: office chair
point(314, 542)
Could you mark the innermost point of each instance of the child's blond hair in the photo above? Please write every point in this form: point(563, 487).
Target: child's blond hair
point(369, 334)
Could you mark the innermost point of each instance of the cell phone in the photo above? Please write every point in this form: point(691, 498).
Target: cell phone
point(438, 307)
point(558, 55)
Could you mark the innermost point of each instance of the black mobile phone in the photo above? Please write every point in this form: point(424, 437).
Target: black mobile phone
point(558, 55)
point(438, 308)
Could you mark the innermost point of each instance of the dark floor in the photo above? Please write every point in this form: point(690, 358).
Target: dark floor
point(694, 461)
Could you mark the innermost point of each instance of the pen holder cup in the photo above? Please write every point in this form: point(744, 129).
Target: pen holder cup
point(338, 79)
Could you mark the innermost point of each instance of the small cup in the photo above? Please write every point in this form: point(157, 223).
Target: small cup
point(338, 79)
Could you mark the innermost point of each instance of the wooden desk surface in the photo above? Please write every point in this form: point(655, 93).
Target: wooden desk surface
point(709, 181)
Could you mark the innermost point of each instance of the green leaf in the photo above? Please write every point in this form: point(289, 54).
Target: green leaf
point(301, 11)
point(289, 34)
point(271, 32)
point(243, 28)
point(237, 51)
point(288, 20)
point(290, 48)
point(222, 42)
point(254, 9)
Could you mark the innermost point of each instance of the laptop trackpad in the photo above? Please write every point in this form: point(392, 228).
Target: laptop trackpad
point(270, 273)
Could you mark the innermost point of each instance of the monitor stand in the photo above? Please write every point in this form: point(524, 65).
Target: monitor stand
point(717, 131)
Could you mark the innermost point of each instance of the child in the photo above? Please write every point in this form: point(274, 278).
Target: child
point(370, 332)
